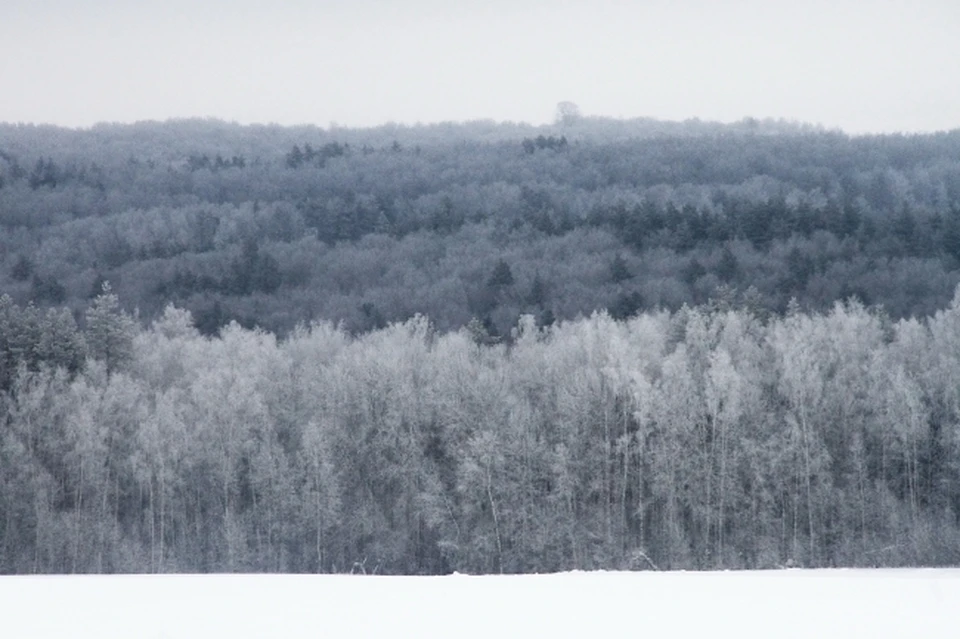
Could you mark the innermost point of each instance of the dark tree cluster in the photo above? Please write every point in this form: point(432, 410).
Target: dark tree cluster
point(532, 145)
point(297, 157)
point(32, 340)
point(218, 163)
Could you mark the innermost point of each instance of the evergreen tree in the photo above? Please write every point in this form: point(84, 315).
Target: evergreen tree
point(22, 269)
point(619, 271)
point(110, 331)
point(538, 292)
point(502, 276)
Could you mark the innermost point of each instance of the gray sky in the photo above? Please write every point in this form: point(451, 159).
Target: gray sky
point(862, 65)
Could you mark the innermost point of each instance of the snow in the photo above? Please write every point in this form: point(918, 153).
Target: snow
point(785, 603)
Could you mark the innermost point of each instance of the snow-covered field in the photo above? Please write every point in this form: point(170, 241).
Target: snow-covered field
point(790, 603)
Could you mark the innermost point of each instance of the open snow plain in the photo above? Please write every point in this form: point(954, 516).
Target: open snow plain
point(787, 603)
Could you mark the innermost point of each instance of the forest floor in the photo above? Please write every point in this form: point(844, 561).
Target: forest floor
point(782, 603)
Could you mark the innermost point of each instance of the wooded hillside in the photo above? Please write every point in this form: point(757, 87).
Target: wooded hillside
point(482, 348)
point(271, 226)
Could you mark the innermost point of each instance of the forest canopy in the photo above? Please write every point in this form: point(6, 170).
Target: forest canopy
point(477, 347)
point(701, 439)
point(273, 226)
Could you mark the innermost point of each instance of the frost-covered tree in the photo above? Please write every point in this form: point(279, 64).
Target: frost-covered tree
point(110, 331)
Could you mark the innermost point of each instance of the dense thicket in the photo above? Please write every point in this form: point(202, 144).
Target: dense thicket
point(271, 226)
point(711, 437)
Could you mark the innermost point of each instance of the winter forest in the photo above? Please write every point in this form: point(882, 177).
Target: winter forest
point(480, 348)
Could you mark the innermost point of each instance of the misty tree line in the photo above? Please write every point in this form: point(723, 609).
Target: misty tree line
point(711, 437)
point(273, 226)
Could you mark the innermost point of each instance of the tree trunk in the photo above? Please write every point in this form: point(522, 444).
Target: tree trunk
point(163, 516)
point(641, 515)
point(723, 494)
point(153, 526)
point(806, 476)
point(79, 520)
point(496, 522)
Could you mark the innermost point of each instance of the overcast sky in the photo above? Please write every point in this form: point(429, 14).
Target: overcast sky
point(861, 65)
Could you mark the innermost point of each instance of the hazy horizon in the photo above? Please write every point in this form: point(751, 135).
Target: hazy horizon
point(392, 123)
point(373, 62)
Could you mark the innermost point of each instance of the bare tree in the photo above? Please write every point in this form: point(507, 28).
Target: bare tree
point(568, 113)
